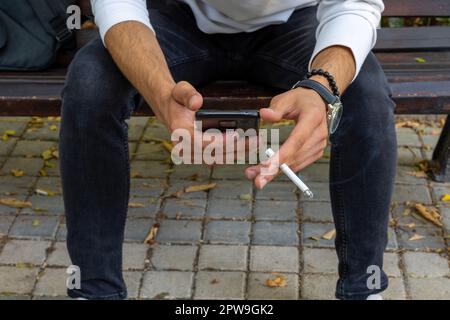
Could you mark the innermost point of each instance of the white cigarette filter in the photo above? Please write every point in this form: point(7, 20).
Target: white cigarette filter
point(292, 176)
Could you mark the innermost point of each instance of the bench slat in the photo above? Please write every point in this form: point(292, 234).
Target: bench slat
point(417, 8)
point(413, 39)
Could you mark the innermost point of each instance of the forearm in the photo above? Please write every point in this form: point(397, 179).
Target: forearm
point(138, 55)
point(339, 62)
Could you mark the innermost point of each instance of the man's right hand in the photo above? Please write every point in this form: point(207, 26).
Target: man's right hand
point(177, 110)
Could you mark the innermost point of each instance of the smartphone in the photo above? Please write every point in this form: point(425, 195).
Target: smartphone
point(228, 119)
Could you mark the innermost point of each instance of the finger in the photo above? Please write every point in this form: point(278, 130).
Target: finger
point(280, 106)
point(185, 94)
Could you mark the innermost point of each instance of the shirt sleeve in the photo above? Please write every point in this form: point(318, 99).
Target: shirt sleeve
point(111, 12)
point(349, 23)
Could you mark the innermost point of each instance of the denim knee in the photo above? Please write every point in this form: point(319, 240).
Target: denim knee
point(368, 107)
point(95, 88)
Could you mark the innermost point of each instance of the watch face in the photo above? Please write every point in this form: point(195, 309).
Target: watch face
point(336, 116)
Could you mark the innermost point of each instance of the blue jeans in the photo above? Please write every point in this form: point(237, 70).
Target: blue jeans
point(94, 151)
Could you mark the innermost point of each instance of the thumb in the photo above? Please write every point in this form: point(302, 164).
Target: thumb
point(185, 94)
point(277, 110)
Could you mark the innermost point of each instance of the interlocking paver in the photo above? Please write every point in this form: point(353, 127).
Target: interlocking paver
point(404, 176)
point(50, 184)
point(226, 208)
point(275, 233)
point(39, 227)
point(276, 210)
point(231, 232)
point(148, 169)
point(58, 256)
point(439, 190)
point(229, 172)
point(155, 130)
point(408, 156)
point(61, 234)
point(134, 255)
point(5, 224)
point(7, 146)
point(318, 172)
point(312, 234)
point(143, 207)
point(395, 291)
point(11, 186)
point(143, 188)
point(193, 172)
point(182, 231)
point(28, 148)
point(319, 286)
point(184, 208)
point(429, 288)
point(258, 289)
point(173, 257)
point(52, 205)
point(151, 151)
point(43, 132)
point(52, 282)
point(321, 191)
point(136, 127)
point(407, 137)
point(278, 191)
point(219, 285)
point(319, 261)
point(274, 259)
point(316, 211)
point(445, 213)
point(29, 166)
point(232, 190)
point(20, 252)
point(403, 193)
point(223, 257)
point(432, 238)
point(133, 282)
point(137, 229)
point(167, 285)
point(15, 280)
point(426, 265)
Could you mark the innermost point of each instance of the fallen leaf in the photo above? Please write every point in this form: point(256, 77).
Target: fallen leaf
point(35, 223)
point(167, 145)
point(14, 203)
point(17, 173)
point(329, 235)
point(53, 127)
point(416, 237)
point(314, 238)
point(43, 192)
point(418, 174)
point(214, 281)
point(7, 134)
point(42, 173)
point(420, 60)
point(135, 205)
point(152, 234)
point(200, 187)
point(445, 197)
point(245, 196)
point(431, 214)
point(411, 225)
point(279, 281)
point(47, 154)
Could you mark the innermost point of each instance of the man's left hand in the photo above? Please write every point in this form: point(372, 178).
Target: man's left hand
point(308, 139)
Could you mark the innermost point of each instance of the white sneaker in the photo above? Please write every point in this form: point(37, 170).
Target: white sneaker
point(374, 297)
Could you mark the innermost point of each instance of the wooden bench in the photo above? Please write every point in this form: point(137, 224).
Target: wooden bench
point(418, 88)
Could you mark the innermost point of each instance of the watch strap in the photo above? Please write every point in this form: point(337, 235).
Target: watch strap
point(319, 88)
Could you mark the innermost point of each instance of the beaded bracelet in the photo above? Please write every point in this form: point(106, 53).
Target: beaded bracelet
point(328, 76)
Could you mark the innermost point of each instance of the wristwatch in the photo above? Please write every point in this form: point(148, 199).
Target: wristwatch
point(334, 105)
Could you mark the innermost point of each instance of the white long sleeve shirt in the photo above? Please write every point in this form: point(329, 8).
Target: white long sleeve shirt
point(349, 23)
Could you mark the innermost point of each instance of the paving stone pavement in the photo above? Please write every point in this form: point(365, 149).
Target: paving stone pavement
point(224, 243)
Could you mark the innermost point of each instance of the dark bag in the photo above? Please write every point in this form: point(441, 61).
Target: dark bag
point(32, 32)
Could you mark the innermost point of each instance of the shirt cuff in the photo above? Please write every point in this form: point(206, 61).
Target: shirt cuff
point(349, 30)
point(109, 13)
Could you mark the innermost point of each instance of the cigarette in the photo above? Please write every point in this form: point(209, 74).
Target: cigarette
point(292, 176)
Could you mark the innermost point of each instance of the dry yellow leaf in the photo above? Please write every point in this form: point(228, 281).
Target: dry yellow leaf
point(47, 154)
point(14, 203)
point(7, 134)
point(53, 127)
point(17, 173)
point(200, 187)
point(418, 174)
point(135, 205)
point(416, 237)
point(277, 282)
point(411, 225)
point(152, 234)
point(167, 145)
point(245, 196)
point(329, 235)
point(431, 214)
point(35, 223)
point(445, 197)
